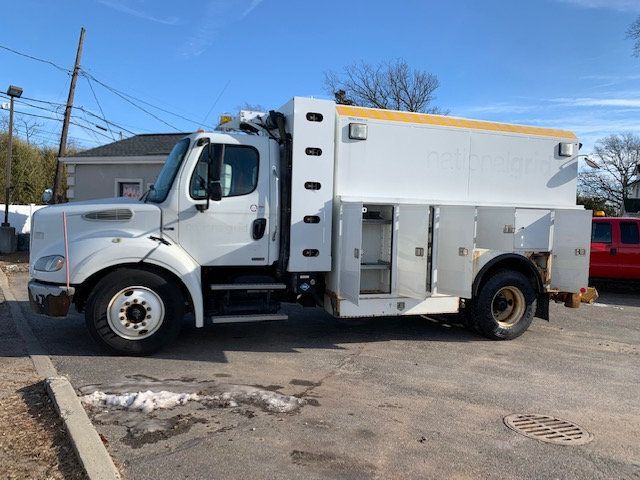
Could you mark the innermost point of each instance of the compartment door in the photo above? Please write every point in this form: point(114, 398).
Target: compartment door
point(571, 247)
point(413, 249)
point(455, 229)
point(350, 236)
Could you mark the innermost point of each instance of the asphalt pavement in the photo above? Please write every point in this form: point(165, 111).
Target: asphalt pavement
point(385, 398)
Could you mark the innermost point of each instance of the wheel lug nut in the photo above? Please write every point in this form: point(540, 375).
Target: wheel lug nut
point(144, 324)
point(148, 309)
point(127, 325)
point(135, 327)
point(127, 303)
point(148, 316)
point(135, 300)
point(122, 310)
point(143, 302)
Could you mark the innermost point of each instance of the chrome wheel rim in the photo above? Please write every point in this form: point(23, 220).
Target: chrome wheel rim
point(135, 313)
point(508, 306)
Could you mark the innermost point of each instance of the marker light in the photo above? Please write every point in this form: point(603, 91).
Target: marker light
point(358, 131)
point(599, 213)
point(566, 149)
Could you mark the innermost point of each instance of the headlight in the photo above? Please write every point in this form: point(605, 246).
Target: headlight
point(51, 263)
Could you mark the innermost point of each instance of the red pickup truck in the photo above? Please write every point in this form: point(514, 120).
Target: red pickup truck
point(615, 248)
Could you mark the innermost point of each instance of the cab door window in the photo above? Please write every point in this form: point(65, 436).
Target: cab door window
point(601, 232)
point(239, 172)
point(629, 233)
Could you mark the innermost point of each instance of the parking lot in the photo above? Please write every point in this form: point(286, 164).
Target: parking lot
point(385, 398)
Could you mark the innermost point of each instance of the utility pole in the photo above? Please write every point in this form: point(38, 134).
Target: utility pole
point(57, 182)
point(7, 232)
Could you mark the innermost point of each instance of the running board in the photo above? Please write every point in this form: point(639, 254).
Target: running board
point(247, 286)
point(247, 318)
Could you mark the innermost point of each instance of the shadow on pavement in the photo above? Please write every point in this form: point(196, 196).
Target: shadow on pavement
point(304, 329)
point(617, 293)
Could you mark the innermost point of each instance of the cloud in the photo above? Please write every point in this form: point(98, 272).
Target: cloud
point(619, 5)
point(126, 9)
point(218, 14)
point(599, 102)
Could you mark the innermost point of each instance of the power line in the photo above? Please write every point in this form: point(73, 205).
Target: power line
point(124, 97)
point(82, 109)
point(215, 102)
point(59, 120)
point(99, 106)
point(42, 60)
point(114, 90)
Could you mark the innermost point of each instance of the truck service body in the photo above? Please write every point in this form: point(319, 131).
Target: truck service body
point(364, 212)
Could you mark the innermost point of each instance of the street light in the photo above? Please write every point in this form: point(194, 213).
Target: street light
point(589, 162)
point(8, 235)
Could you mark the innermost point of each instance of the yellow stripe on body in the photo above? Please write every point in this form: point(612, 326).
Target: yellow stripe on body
point(444, 121)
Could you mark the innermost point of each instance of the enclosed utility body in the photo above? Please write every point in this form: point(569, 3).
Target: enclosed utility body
point(364, 212)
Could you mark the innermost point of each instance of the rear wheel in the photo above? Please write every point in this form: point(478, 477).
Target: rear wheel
point(134, 312)
point(504, 307)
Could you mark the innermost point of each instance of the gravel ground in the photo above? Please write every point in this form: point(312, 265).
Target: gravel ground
point(33, 441)
point(387, 398)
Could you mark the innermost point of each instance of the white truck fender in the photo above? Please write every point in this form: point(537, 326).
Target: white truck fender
point(95, 254)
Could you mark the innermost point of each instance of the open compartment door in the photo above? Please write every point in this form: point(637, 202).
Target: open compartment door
point(455, 229)
point(413, 251)
point(350, 250)
point(571, 250)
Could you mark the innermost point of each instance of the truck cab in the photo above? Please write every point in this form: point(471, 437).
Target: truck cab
point(615, 248)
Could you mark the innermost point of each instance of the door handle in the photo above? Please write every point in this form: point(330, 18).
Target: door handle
point(258, 228)
point(613, 251)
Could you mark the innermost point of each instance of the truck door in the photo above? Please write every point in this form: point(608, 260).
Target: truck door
point(234, 230)
point(629, 250)
point(413, 250)
point(455, 230)
point(603, 251)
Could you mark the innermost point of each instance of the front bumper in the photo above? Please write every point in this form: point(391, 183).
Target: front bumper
point(52, 300)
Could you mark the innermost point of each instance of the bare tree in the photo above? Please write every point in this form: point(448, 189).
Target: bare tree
point(618, 157)
point(30, 128)
point(633, 33)
point(390, 85)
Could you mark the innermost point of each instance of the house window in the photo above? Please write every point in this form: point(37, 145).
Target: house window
point(128, 187)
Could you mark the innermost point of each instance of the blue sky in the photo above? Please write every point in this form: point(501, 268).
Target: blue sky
point(557, 63)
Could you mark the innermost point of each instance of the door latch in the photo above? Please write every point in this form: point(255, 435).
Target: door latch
point(258, 228)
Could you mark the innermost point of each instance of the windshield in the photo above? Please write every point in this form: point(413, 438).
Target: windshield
point(168, 173)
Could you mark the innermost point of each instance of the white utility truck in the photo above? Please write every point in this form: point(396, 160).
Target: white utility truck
point(364, 212)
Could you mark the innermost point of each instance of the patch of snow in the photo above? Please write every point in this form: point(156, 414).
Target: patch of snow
point(229, 397)
point(145, 401)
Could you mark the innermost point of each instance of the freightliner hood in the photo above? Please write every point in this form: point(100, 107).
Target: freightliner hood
point(91, 226)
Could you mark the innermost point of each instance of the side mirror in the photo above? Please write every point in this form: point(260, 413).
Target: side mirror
point(216, 159)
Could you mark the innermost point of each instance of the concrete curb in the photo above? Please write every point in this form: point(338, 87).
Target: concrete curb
point(85, 439)
point(91, 452)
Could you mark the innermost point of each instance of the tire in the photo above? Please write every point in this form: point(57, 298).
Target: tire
point(134, 312)
point(504, 307)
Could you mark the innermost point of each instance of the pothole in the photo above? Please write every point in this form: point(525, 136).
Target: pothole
point(548, 429)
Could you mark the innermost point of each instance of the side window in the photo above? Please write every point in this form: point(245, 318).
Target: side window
point(239, 172)
point(629, 233)
point(601, 232)
point(198, 187)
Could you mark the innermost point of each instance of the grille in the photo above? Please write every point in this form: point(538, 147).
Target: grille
point(548, 429)
point(112, 214)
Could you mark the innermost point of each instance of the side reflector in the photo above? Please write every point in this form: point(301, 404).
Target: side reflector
point(358, 131)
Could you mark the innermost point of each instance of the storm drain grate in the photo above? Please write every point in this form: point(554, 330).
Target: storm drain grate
point(548, 429)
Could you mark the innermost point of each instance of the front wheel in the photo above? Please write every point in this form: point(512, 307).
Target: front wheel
point(134, 312)
point(505, 306)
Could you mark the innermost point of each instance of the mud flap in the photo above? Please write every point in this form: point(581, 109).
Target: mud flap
point(542, 306)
